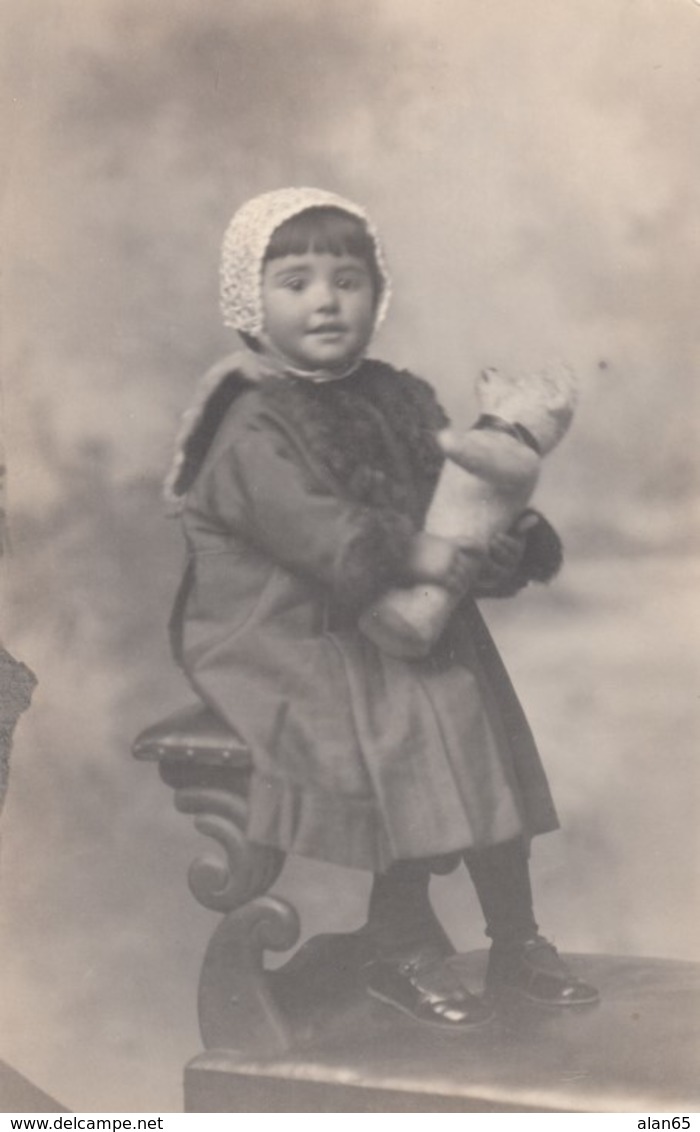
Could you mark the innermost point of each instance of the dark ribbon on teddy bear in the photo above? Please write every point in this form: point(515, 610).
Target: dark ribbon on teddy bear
point(514, 429)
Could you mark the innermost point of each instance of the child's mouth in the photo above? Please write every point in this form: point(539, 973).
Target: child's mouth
point(328, 329)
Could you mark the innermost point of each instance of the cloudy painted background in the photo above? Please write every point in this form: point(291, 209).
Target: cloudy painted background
point(533, 169)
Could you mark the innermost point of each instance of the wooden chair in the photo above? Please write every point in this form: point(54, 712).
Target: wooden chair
point(306, 1038)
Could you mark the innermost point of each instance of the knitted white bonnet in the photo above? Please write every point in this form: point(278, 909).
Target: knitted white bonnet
point(246, 241)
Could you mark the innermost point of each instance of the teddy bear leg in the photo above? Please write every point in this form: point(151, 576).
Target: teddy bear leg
point(407, 623)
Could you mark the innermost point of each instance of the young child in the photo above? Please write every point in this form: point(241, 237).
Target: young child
point(304, 474)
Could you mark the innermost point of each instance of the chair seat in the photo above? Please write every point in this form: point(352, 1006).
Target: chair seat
point(193, 735)
point(636, 1051)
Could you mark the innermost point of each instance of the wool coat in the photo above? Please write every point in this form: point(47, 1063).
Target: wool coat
point(301, 504)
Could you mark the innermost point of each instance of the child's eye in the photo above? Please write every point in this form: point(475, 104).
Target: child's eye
point(295, 283)
point(348, 282)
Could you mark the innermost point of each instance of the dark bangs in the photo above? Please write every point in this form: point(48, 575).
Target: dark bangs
point(325, 230)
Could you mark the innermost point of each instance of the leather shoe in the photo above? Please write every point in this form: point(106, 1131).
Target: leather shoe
point(534, 970)
point(427, 989)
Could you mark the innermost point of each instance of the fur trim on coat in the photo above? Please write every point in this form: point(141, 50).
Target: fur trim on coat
point(342, 426)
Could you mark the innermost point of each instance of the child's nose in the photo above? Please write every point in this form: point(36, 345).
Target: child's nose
point(327, 297)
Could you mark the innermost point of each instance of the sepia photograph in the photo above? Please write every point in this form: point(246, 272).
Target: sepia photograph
point(349, 556)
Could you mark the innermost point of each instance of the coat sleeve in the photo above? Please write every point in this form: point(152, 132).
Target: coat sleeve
point(260, 488)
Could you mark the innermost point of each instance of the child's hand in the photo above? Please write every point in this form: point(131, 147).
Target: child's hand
point(501, 575)
point(436, 560)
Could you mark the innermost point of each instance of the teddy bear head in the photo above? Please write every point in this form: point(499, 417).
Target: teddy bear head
point(543, 401)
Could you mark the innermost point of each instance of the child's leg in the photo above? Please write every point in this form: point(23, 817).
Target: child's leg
point(501, 877)
point(401, 920)
point(520, 959)
point(411, 946)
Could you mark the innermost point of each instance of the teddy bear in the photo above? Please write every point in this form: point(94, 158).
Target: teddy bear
point(488, 478)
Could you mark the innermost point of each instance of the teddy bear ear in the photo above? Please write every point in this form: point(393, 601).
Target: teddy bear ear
point(492, 388)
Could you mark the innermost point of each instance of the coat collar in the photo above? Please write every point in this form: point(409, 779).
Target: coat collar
point(372, 433)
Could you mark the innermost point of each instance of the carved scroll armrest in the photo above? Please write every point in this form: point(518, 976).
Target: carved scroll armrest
point(208, 767)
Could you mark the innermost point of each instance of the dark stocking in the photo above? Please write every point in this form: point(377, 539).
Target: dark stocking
point(401, 919)
point(501, 877)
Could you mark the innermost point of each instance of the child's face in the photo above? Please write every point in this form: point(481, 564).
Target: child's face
point(318, 308)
